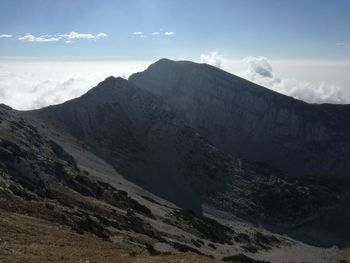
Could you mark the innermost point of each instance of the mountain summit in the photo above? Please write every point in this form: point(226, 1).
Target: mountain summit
point(247, 120)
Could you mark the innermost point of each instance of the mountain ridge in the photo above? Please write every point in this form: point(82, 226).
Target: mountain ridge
point(248, 120)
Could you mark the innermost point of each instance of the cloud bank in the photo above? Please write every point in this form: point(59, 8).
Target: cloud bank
point(30, 84)
point(26, 85)
point(260, 71)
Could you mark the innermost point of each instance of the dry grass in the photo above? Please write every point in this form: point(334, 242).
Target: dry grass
point(344, 254)
point(28, 239)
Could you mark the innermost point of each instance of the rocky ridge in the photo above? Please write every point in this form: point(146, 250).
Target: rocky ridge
point(253, 122)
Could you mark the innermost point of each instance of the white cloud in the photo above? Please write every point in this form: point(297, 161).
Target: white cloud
point(6, 36)
point(76, 35)
point(258, 65)
point(31, 84)
point(68, 37)
point(213, 58)
point(44, 38)
point(101, 35)
point(155, 33)
point(260, 71)
point(27, 37)
point(139, 34)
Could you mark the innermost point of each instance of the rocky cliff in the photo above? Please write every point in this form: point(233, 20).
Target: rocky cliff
point(247, 120)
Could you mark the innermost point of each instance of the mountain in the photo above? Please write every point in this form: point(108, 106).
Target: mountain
point(132, 167)
point(250, 121)
point(138, 134)
point(148, 141)
point(151, 145)
point(61, 178)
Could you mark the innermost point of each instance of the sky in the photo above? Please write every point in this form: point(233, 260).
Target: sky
point(51, 51)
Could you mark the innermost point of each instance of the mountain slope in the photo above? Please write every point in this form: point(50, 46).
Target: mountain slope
point(106, 162)
point(247, 120)
point(41, 183)
point(136, 132)
point(151, 145)
point(48, 191)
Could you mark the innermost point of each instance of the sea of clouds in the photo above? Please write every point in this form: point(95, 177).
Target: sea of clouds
point(34, 83)
point(259, 70)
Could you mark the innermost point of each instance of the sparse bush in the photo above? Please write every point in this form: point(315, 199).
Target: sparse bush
point(206, 227)
point(250, 248)
point(196, 243)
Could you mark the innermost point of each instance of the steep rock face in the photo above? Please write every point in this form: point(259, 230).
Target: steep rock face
point(149, 144)
point(248, 120)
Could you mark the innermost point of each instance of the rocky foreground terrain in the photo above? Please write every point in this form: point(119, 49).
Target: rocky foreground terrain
point(120, 174)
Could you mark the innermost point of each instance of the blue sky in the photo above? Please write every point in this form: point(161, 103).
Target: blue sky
point(54, 50)
point(278, 29)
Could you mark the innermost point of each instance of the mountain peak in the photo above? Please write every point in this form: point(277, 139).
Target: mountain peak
point(111, 82)
point(224, 107)
point(165, 62)
point(112, 79)
point(107, 87)
point(170, 70)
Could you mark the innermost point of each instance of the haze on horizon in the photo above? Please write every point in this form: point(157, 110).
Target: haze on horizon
point(51, 51)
